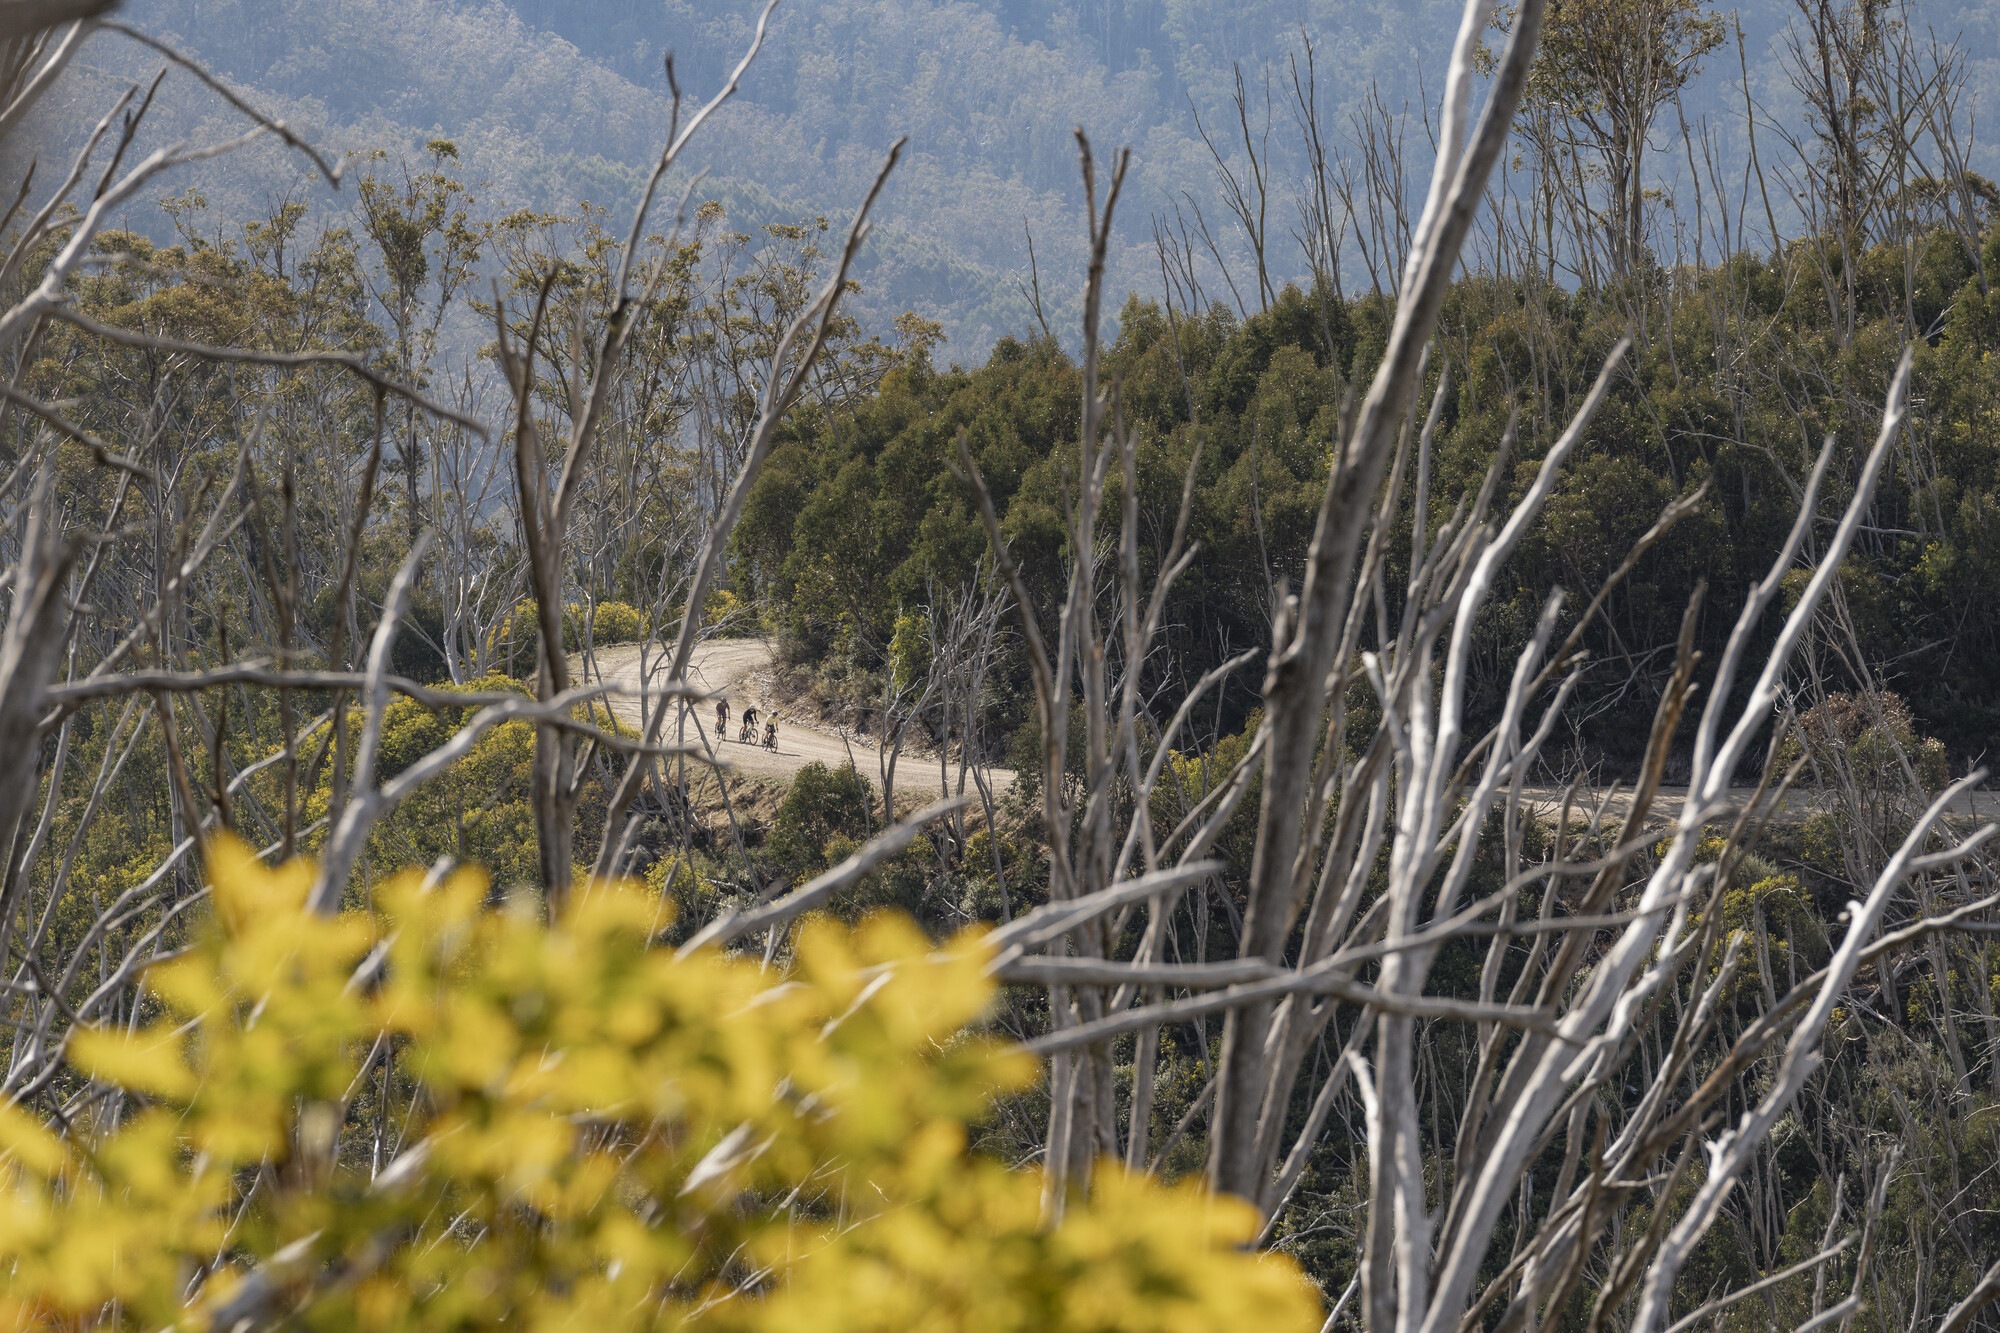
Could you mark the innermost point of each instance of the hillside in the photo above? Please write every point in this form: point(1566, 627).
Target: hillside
point(556, 101)
point(1372, 771)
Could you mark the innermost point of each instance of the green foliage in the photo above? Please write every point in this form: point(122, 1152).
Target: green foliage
point(477, 810)
point(909, 652)
point(1190, 778)
point(824, 804)
point(594, 1132)
point(858, 518)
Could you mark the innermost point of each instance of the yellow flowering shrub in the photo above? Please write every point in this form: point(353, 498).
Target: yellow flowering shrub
point(595, 1134)
point(477, 810)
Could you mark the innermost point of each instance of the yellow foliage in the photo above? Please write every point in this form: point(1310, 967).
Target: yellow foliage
point(477, 810)
point(616, 622)
point(593, 1133)
point(720, 607)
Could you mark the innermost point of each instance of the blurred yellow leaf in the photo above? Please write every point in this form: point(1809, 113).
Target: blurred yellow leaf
point(518, 1125)
point(148, 1061)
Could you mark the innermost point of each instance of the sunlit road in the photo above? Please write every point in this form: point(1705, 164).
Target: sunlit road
point(737, 669)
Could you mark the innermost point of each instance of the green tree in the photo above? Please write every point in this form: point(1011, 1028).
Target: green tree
point(1605, 68)
point(823, 804)
point(426, 248)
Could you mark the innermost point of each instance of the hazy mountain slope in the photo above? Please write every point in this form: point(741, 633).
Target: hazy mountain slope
point(988, 112)
point(555, 100)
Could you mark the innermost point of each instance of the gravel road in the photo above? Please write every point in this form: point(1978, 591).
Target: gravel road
point(739, 669)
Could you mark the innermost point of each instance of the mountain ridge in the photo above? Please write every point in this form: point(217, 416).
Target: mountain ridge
point(553, 103)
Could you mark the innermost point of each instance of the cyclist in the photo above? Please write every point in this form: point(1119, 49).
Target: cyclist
point(722, 719)
point(771, 736)
point(749, 736)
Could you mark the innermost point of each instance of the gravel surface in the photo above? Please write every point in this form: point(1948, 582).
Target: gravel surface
point(739, 669)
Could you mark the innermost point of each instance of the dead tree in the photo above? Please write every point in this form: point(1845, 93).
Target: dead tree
point(1413, 804)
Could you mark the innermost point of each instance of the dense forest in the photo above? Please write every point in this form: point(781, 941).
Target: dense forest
point(861, 516)
point(1404, 735)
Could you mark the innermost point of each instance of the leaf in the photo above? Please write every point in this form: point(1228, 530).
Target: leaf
point(28, 1143)
point(148, 1061)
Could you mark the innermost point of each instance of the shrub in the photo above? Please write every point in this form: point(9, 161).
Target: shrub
point(599, 1134)
point(480, 808)
point(723, 608)
point(515, 642)
point(823, 804)
point(520, 634)
point(1847, 730)
point(616, 622)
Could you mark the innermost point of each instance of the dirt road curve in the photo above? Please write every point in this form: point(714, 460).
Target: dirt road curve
point(739, 670)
